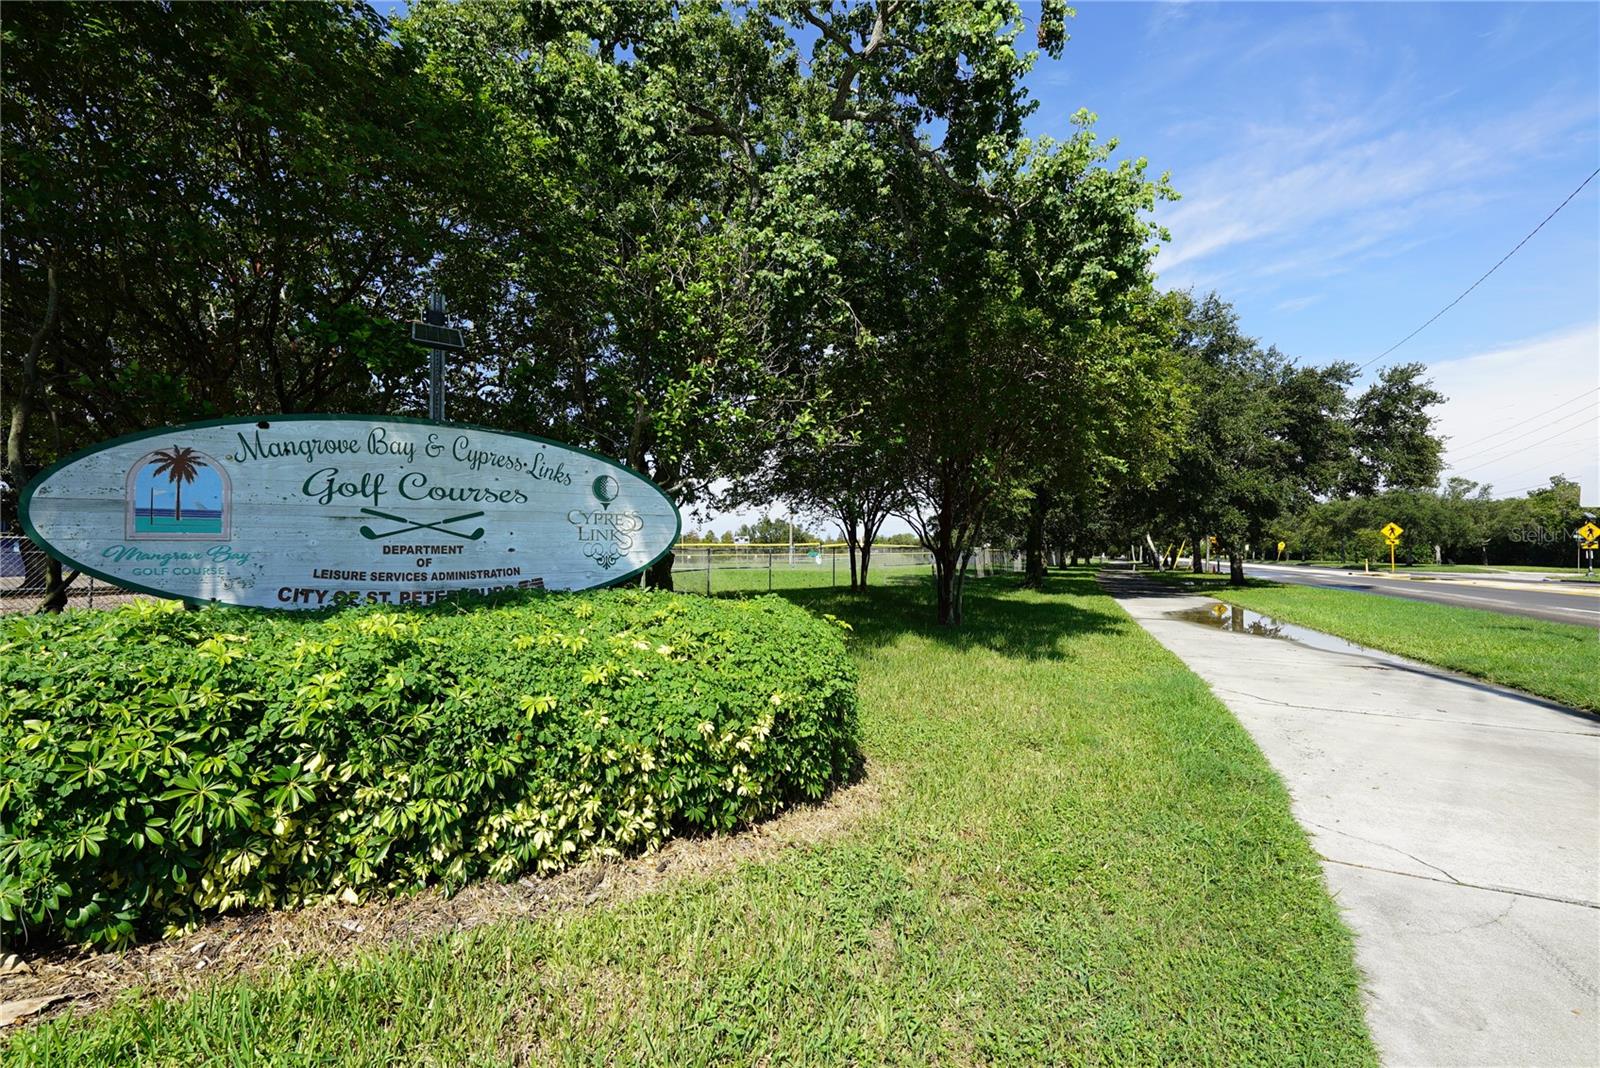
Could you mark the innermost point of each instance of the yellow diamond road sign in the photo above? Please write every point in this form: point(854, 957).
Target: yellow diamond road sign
point(1589, 532)
point(1393, 531)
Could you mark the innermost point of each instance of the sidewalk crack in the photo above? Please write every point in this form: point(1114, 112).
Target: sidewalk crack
point(1384, 845)
point(1447, 719)
point(1487, 887)
point(1486, 923)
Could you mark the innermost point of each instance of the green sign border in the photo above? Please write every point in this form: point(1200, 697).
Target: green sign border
point(305, 417)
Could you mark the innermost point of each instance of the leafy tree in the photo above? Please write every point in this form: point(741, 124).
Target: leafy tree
point(772, 530)
point(1265, 437)
point(676, 241)
point(1393, 433)
point(214, 208)
point(677, 336)
point(1463, 522)
point(847, 467)
point(1117, 435)
point(238, 200)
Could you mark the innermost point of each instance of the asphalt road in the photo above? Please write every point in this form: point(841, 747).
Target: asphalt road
point(1561, 602)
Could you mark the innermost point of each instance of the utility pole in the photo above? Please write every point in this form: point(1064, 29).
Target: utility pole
point(438, 338)
point(435, 317)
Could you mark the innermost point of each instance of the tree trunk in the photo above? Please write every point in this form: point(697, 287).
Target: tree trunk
point(1198, 563)
point(1033, 569)
point(949, 578)
point(871, 522)
point(35, 568)
point(949, 565)
point(16, 460)
point(1157, 557)
point(40, 572)
point(55, 594)
point(1235, 568)
point(659, 577)
point(850, 524)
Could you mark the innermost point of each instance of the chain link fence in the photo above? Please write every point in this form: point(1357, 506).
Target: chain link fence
point(757, 568)
point(25, 577)
point(705, 569)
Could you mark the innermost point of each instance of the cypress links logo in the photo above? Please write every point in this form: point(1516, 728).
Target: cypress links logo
point(606, 535)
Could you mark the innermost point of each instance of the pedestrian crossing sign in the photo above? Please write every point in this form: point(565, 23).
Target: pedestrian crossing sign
point(1589, 532)
point(1392, 531)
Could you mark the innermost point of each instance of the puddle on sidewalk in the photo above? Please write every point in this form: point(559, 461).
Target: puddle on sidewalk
point(1243, 621)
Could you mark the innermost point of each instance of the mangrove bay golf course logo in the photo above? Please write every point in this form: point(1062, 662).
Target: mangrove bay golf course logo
point(155, 504)
point(310, 511)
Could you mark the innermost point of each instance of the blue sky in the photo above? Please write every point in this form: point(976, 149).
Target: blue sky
point(157, 490)
point(1348, 169)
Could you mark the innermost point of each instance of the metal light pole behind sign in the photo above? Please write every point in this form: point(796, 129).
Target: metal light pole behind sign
point(433, 333)
point(435, 317)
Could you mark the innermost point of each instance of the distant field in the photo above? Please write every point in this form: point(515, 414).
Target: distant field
point(744, 574)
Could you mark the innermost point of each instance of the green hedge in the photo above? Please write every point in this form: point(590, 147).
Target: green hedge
point(157, 764)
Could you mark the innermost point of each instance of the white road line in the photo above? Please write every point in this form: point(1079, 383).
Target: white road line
point(1413, 594)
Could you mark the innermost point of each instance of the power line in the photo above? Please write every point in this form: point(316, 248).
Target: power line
point(1486, 274)
point(1584, 411)
point(1517, 452)
point(1524, 474)
point(1530, 418)
point(1506, 456)
point(1541, 486)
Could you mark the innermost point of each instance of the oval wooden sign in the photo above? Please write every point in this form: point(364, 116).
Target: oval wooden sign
point(310, 511)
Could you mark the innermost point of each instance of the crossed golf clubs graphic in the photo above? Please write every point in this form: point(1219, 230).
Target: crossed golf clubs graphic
point(368, 533)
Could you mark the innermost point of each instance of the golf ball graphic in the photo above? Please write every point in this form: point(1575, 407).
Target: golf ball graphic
point(605, 489)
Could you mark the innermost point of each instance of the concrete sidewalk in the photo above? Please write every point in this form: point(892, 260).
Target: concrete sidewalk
point(1459, 827)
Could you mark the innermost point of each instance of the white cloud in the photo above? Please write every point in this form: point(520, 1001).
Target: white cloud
point(1520, 413)
point(1349, 182)
point(1166, 15)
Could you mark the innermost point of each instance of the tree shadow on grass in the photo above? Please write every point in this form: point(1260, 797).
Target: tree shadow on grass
point(1172, 584)
point(1000, 615)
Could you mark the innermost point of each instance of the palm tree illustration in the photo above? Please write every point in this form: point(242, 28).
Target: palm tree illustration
point(180, 466)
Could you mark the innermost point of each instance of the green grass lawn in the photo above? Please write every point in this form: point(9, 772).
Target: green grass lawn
point(1560, 661)
point(1083, 859)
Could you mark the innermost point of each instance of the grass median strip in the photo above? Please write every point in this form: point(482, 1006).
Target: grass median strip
point(1560, 661)
point(1083, 859)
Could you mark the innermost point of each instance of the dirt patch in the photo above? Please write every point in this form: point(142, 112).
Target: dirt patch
point(254, 943)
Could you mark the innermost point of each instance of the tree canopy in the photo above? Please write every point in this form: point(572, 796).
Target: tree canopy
point(775, 250)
